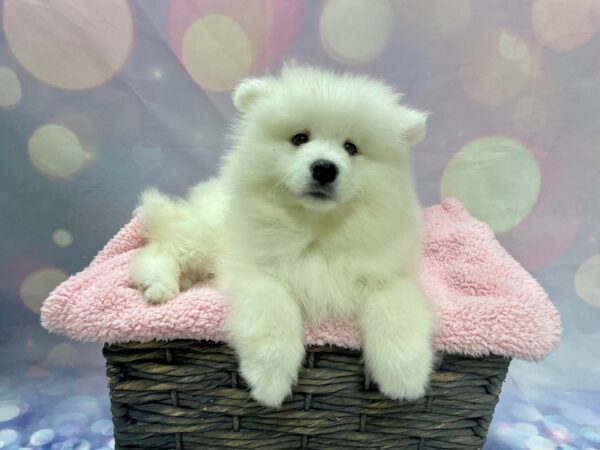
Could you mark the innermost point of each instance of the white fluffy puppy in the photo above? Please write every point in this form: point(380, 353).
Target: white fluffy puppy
point(314, 216)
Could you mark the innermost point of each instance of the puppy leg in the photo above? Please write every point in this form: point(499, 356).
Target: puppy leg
point(397, 327)
point(156, 272)
point(156, 267)
point(265, 328)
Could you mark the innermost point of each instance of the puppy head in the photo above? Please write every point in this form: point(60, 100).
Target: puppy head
point(318, 139)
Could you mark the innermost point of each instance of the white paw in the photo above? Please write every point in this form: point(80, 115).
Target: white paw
point(403, 379)
point(270, 384)
point(265, 328)
point(158, 293)
point(156, 274)
point(272, 393)
point(404, 387)
point(271, 369)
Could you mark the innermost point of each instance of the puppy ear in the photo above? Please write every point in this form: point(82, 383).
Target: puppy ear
point(249, 91)
point(415, 124)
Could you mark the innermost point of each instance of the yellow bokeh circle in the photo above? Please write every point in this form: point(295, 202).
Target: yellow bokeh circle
point(216, 52)
point(10, 88)
point(85, 128)
point(497, 179)
point(355, 31)
point(56, 152)
point(587, 281)
point(70, 44)
point(62, 238)
point(36, 287)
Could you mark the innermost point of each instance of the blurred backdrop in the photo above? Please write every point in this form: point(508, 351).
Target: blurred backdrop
point(101, 99)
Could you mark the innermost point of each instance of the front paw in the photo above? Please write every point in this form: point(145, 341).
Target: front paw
point(403, 386)
point(271, 370)
point(269, 389)
point(403, 379)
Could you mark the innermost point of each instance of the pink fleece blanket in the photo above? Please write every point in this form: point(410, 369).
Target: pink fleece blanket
point(486, 302)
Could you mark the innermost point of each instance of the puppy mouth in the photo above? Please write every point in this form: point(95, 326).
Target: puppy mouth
point(320, 195)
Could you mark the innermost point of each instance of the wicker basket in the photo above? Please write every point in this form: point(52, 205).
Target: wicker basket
point(188, 395)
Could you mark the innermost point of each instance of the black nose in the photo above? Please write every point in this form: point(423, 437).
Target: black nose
point(324, 171)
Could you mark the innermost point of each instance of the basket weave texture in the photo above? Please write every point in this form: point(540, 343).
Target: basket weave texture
point(189, 395)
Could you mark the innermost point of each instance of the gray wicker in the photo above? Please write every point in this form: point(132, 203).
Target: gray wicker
point(188, 395)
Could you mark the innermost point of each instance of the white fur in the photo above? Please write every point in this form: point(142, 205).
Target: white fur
point(284, 258)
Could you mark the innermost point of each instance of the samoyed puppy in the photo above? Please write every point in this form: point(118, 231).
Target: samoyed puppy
point(313, 217)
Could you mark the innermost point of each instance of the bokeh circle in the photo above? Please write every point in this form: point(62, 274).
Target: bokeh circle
point(42, 437)
point(587, 281)
point(564, 25)
point(497, 179)
point(539, 443)
point(87, 130)
point(496, 66)
point(539, 242)
point(56, 152)
point(8, 436)
point(36, 287)
point(10, 88)
point(69, 44)
point(8, 411)
point(63, 355)
point(221, 42)
point(216, 52)
point(62, 238)
point(355, 31)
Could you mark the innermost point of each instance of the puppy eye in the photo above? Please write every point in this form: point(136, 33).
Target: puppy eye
point(299, 139)
point(350, 148)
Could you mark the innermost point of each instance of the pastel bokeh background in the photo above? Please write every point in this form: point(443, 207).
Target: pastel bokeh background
point(100, 99)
